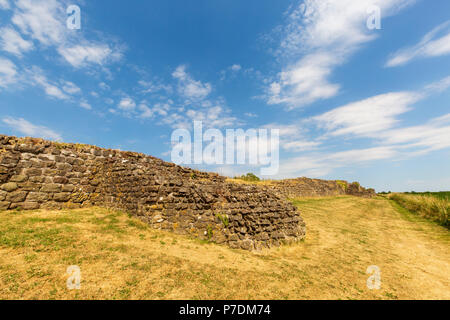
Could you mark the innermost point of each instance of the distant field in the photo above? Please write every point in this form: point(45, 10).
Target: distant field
point(441, 195)
point(122, 258)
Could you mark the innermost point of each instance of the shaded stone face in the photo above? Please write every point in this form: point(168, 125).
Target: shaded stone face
point(35, 173)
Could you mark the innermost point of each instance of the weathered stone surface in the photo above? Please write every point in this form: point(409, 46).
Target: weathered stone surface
point(305, 187)
point(25, 205)
point(32, 172)
point(68, 188)
point(16, 196)
point(19, 178)
point(60, 180)
point(4, 205)
point(42, 174)
point(51, 188)
point(61, 197)
point(38, 197)
point(10, 186)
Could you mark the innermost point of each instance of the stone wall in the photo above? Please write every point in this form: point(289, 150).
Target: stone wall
point(305, 187)
point(35, 174)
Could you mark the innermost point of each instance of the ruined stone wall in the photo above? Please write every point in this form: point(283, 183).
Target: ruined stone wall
point(305, 187)
point(35, 173)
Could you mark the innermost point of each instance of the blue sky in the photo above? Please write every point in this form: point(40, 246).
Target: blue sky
point(351, 102)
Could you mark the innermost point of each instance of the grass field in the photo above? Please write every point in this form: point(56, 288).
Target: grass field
point(444, 195)
point(122, 258)
point(435, 207)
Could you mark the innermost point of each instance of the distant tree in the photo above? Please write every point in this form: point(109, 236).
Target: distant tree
point(249, 177)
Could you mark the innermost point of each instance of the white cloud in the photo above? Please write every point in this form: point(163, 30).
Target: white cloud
point(300, 145)
point(27, 128)
point(8, 72)
point(324, 33)
point(369, 116)
point(85, 105)
point(11, 41)
point(45, 21)
point(104, 86)
point(214, 117)
point(305, 82)
point(433, 44)
point(54, 92)
point(293, 137)
point(374, 118)
point(109, 101)
point(82, 55)
point(42, 20)
point(321, 164)
point(235, 67)
point(146, 112)
point(434, 135)
point(70, 87)
point(4, 4)
point(190, 88)
point(37, 77)
point(439, 86)
point(127, 104)
point(152, 87)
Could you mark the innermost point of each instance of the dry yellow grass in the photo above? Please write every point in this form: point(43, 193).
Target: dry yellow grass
point(122, 258)
point(427, 206)
point(261, 182)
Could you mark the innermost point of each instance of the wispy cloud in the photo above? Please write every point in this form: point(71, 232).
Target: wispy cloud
point(4, 4)
point(319, 36)
point(85, 104)
point(127, 104)
point(431, 136)
point(8, 72)
point(27, 128)
point(83, 55)
point(71, 88)
point(376, 119)
point(37, 77)
point(433, 44)
point(44, 21)
point(293, 137)
point(11, 41)
point(321, 164)
point(192, 90)
point(368, 116)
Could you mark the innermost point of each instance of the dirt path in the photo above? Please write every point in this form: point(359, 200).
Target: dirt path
point(122, 258)
point(351, 234)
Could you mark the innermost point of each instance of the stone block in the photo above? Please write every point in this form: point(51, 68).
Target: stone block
point(9, 187)
point(60, 180)
point(32, 172)
point(16, 196)
point(37, 196)
point(51, 188)
point(4, 205)
point(61, 197)
point(19, 178)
